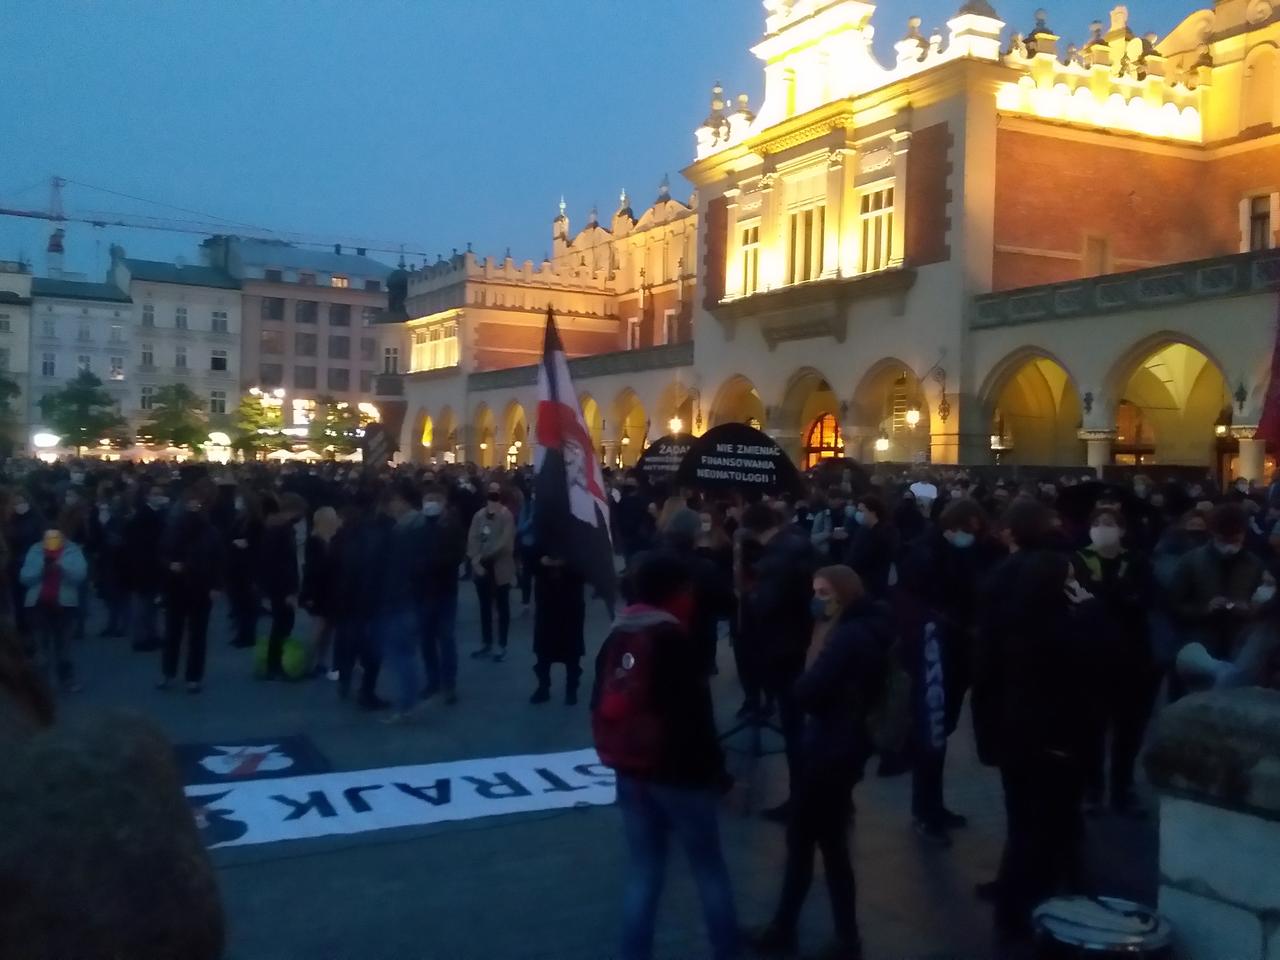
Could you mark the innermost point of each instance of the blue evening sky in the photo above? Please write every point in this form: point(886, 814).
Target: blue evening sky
point(431, 123)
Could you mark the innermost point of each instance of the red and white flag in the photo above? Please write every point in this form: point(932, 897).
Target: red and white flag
point(570, 507)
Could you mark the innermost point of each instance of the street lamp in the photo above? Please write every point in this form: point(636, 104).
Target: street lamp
point(675, 424)
point(43, 440)
point(882, 443)
point(913, 416)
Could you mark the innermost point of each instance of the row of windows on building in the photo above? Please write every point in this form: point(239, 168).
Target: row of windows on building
point(272, 342)
point(218, 362)
point(434, 348)
point(309, 280)
point(305, 377)
point(667, 332)
point(217, 403)
point(806, 241)
point(308, 311)
point(182, 319)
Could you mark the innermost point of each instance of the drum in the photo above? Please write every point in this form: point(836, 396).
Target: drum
point(1100, 928)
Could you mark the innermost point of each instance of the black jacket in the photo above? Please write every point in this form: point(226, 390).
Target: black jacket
point(321, 572)
point(278, 559)
point(445, 546)
point(842, 685)
point(871, 555)
point(143, 566)
point(776, 622)
point(191, 542)
point(690, 754)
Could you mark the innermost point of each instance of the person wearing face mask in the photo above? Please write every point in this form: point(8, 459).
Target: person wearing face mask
point(1214, 584)
point(1120, 705)
point(832, 522)
point(445, 548)
point(873, 546)
point(143, 567)
point(52, 572)
point(843, 679)
point(192, 555)
point(941, 576)
point(243, 541)
point(491, 551)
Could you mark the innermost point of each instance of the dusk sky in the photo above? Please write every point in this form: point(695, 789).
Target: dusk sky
point(431, 123)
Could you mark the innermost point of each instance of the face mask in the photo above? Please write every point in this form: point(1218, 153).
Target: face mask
point(706, 525)
point(1264, 593)
point(860, 517)
point(432, 508)
point(71, 499)
point(193, 508)
point(158, 503)
point(820, 609)
point(849, 510)
point(240, 504)
point(77, 477)
point(21, 508)
point(1141, 492)
point(1227, 549)
point(1105, 537)
point(104, 513)
point(961, 539)
point(1242, 486)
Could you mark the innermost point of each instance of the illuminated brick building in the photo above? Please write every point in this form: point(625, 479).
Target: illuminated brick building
point(1000, 244)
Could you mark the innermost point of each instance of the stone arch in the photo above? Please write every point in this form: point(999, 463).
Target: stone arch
point(515, 434)
point(1032, 404)
point(677, 400)
point(891, 413)
point(445, 434)
point(807, 398)
point(631, 427)
point(421, 437)
point(1167, 394)
point(486, 436)
point(737, 401)
point(594, 420)
point(1259, 94)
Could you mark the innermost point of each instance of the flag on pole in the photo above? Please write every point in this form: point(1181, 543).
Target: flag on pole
point(571, 509)
point(1269, 422)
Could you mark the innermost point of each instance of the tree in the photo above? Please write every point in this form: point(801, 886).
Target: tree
point(9, 391)
point(252, 418)
point(82, 412)
point(177, 418)
point(334, 425)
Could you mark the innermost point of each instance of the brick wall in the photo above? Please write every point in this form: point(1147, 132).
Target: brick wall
point(1052, 193)
point(501, 345)
point(928, 197)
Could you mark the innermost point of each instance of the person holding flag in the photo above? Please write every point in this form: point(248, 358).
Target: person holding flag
point(570, 506)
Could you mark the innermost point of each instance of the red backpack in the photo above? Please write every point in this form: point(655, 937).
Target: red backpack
point(628, 729)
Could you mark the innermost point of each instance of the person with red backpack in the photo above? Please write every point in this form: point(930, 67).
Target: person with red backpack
point(652, 722)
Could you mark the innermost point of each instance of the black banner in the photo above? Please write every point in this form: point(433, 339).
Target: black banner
point(660, 462)
point(736, 456)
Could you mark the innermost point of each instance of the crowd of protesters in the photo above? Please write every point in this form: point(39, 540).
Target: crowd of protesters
point(1064, 610)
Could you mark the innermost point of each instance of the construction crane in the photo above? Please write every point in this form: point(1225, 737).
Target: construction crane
point(56, 214)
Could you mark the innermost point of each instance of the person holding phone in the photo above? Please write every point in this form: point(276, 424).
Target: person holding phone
point(53, 574)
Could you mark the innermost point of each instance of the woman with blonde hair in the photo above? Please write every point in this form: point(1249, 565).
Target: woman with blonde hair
point(843, 680)
point(320, 586)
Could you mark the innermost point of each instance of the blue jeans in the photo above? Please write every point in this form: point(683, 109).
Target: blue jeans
point(439, 643)
point(650, 814)
point(401, 631)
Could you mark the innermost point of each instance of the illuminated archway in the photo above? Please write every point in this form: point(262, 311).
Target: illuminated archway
point(486, 437)
point(737, 401)
point(1170, 397)
point(633, 430)
point(822, 441)
point(808, 397)
point(422, 435)
point(679, 410)
point(594, 421)
point(890, 401)
point(445, 435)
point(1033, 410)
point(514, 448)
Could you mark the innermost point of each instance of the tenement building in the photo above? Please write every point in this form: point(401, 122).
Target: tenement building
point(1003, 244)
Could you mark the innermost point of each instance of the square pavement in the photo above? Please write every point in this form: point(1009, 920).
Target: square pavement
point(548, 886)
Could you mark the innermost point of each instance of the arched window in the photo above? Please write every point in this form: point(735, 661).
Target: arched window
point(823, 441)
point(1259, 88)
point(1135, 443)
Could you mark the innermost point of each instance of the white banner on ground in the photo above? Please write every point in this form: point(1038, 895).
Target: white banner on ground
point(356, 801)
